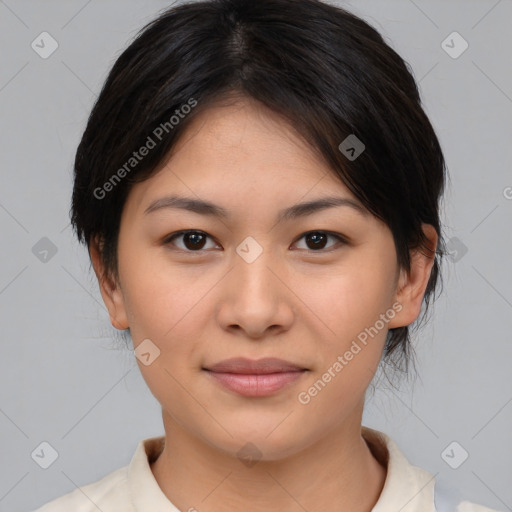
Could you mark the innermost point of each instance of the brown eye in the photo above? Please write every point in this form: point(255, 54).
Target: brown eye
point(192, 240)
point(195, 241)
point(317, 240)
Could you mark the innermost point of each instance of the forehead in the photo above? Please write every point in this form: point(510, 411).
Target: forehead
point(246, 136)
point(241, 154)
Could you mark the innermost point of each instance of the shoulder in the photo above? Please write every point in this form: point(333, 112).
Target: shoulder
point(451, 502)
point(466, 506)
point(129, 488)
point(110, 491)
point(449, 499)
point(409, 487)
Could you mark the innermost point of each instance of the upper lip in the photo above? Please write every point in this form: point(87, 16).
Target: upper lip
point(251, 366)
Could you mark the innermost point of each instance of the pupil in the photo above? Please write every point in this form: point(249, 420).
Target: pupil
point(195, 237)
point(317, 237)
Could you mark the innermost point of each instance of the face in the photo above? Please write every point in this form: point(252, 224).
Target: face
point(317, 289)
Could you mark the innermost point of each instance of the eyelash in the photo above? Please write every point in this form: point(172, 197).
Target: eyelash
point(168, 240)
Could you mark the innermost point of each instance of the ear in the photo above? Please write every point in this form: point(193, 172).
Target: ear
point(412, 285)
point(109, 288)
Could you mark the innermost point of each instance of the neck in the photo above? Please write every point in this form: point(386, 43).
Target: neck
point(338, 472)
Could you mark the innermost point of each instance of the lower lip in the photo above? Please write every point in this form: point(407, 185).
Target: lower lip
point(256, 385)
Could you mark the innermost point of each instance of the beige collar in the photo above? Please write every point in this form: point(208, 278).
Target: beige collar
point(407, 488)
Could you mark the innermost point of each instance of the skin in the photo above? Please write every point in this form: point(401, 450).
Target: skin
point(295, 302)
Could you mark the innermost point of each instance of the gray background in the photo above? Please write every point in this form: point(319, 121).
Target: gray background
point(62, 378)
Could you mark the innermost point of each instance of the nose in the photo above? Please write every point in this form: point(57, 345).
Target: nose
point(255, 298)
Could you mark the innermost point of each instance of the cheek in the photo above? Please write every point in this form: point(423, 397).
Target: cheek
point(168, 307)
point(351, 305)
point(158, 296)
point(350, 299)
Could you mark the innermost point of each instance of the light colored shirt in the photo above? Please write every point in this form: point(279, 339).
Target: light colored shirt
point(133, 488)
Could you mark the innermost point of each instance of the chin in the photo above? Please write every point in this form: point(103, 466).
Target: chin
point(263, 441)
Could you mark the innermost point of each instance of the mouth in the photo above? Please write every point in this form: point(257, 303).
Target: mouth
point(255, 378)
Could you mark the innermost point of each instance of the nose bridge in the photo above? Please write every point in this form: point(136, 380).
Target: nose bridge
point(256, 291)
point(252, 268)
point(255, 299)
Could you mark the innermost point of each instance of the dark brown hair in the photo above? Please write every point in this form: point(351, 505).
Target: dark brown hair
point(323, 69)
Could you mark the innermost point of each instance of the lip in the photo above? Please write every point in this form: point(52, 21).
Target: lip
point(255, 378)
point(242, 365)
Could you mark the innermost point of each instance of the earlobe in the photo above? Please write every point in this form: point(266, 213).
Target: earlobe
point(412, 285)
point(109, 289)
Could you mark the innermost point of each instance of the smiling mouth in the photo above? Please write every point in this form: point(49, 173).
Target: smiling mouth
point(255, 378)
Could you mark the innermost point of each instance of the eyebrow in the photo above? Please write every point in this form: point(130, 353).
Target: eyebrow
point(297, 210)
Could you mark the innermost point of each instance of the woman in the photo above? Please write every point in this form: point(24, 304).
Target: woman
point(258, 187)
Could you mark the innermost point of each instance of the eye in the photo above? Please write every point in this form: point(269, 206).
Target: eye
point(194, 241)
point(317, 239)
